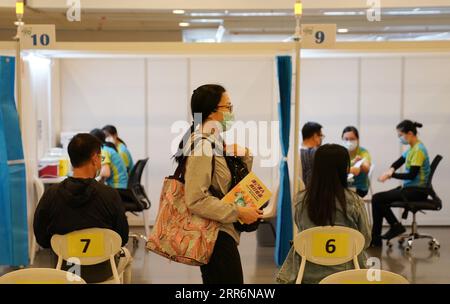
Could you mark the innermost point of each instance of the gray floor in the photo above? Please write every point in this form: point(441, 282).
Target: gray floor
point(420, 266)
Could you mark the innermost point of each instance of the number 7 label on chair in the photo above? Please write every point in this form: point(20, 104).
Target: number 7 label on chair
point(327, 245)
point(86, 245)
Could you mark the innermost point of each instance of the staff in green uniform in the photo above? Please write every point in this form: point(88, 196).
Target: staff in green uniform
point(112, 136)
point(415, 177)
point(360, 160)
point(113, 171)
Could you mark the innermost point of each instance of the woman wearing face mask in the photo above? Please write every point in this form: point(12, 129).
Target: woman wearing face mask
point(360, 171)
point(113, 171)
point(201, 153)
point(417, 170)
point(112, 136)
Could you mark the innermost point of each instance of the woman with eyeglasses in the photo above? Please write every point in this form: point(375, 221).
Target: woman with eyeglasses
point(417, 171)
point(360, 160)
point(207, 177)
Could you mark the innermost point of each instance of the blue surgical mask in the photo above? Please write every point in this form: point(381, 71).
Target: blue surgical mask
point(403, 140)
point(228, 120)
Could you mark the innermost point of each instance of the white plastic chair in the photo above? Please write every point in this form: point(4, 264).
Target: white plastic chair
point(364, 276)
point(328, 246)
point(270, 211)
point(90, 246)
point(41, 276)
point(39, 188)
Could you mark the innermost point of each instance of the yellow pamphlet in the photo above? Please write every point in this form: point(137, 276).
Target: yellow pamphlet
point(250, 191)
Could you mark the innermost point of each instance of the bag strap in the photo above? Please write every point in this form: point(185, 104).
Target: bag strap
point(181, 168)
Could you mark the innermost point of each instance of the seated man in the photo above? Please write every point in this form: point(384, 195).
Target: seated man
point(312, 139)
point(80, 202)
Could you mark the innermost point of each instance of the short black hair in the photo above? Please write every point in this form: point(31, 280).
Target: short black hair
point(82, 147)
point(99, 134)
point(351, 129)
point(310, 128)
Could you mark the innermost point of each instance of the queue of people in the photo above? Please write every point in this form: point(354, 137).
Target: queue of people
point(335, 176)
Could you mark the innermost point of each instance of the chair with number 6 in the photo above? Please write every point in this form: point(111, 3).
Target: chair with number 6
point(90, 247)
point(328, 246)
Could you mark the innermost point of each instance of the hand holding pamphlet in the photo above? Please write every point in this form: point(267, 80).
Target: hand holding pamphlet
point(249, 192)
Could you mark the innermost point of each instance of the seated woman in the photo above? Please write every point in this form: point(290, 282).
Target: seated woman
point(113, 170)
point(360, 171)
point(326, 202)
point(113, 137)
point(417, 165)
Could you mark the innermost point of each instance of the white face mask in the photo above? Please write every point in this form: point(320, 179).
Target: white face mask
point(110, 139)
point(351, 145)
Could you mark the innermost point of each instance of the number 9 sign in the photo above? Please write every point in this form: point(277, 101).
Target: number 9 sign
point(318, 36)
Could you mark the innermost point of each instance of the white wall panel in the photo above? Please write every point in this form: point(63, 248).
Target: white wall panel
point(95, 92)
point(427, 93)
point(381, 97)
point(167, 103)
point(329, 94)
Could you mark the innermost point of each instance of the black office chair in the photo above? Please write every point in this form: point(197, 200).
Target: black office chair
point(432, 202)
point(135, 198)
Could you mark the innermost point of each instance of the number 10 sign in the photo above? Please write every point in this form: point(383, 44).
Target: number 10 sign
point(318, 36)
point(38, 36)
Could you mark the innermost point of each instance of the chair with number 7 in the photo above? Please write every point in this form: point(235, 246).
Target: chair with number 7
point(90, 247)
point(328, 246)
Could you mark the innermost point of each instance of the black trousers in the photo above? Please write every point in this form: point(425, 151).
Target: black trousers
point(224, 267)
point(381, 206)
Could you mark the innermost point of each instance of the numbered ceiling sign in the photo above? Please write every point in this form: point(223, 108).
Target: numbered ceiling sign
point(327, 245)
point(318, 36)
point(86, 245)
point(38, 36)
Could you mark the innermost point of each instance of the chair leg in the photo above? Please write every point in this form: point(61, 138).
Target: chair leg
point(146, 226)
point(415, 235)
point(33, 250)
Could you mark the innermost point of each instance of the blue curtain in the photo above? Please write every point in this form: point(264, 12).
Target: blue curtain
point(13, 201)
point(284, 232)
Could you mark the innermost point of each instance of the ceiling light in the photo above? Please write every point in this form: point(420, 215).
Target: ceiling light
point(342, 30)
point(206, 21)
point(206, 14)
point(178, 12)
point(184, 24)
point(343, 13)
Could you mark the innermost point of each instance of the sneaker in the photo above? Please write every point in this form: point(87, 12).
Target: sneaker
point(395, 230)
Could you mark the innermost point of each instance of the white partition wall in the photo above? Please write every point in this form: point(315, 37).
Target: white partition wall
point(427, 96)
point(96, 92)
point(380, 112)
point(329, 94)
point(145, 96)
point(168, 101)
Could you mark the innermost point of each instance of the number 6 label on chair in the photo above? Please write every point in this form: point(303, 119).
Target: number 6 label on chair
point(330, 245)
point(86, 245)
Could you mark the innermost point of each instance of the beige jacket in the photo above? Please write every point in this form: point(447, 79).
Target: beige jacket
point(198, 179)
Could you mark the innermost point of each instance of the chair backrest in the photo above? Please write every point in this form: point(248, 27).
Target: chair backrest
point(90, 246)
point(364, 276)
point(329, 245)
point(136, 173)
point(41, 276)
point(437, 159)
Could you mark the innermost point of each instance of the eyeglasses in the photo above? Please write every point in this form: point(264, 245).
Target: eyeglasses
point(229, 107)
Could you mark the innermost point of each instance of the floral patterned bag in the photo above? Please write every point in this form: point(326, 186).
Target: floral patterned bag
point(178, 234)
